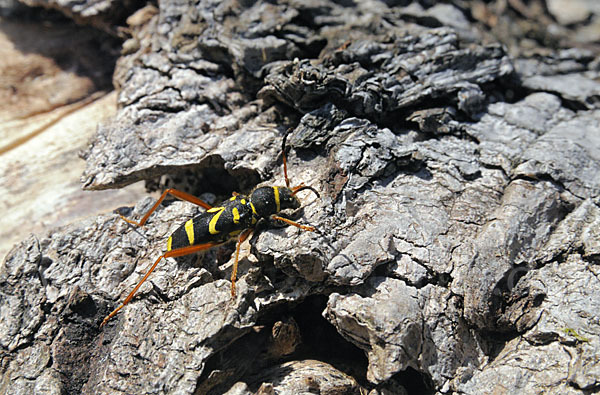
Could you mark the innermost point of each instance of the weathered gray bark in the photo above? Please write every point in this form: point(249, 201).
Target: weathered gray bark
point(457, 236)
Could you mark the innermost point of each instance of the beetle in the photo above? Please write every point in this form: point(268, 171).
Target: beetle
point(235, 217)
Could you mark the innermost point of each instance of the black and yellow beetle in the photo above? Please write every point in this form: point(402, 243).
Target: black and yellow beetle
point(234, 217)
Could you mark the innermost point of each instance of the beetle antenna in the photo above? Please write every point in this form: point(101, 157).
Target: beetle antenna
point(283, 152)
point(303, 187)
point(300, 187)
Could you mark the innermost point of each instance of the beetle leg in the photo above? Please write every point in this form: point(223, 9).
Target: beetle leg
point(173, 192)
point(243, 236)
point(170, 254)
point(297, 225)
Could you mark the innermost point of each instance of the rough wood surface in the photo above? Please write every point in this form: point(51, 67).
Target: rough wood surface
point(457, 244)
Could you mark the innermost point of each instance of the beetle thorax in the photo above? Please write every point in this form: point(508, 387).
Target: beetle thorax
point(271, 200)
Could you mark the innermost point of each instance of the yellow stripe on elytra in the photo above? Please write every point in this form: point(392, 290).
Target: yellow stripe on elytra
point(169, 242)
point(215, 209)
point(232, 198)
point(213, 221)
point(236, 215)
point(189, 229)
point(277, 202)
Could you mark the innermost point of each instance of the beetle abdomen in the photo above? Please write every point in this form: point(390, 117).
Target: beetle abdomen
point(218, 224)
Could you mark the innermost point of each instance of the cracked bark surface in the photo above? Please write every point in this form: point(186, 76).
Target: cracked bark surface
point(457, 238)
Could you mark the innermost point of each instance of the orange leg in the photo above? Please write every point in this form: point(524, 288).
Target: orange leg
point(297, 225)
point(169, 254)
point(241, 239)
point(173, 192)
